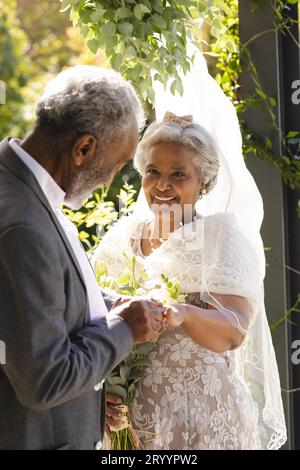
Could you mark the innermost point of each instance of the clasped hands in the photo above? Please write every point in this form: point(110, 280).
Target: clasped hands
point(148, 319)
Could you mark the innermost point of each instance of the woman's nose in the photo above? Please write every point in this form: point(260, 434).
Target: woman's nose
point(163, 184)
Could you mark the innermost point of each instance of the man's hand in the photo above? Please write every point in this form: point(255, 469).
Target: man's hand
point(145, 318)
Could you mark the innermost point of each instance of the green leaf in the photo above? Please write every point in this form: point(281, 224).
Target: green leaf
point(148, 4)
point(222, 5)
point(157, 5)
point(140, 11)
point(268, 143)
point(137, 71)
point(151, 95)
point(117, 380)
point(144, 348)
point(122, 13)
point(110, 42)
point(130, 52)
point(292, 134)
point(97, 15)
point(285, 160)
point(125, 29)
point(116, 61)
point(131, 392)
point(217, 24)
point(142, 363)
point(158, 22)
point(108, 29)
point(176, 86)
point(124, 279)
point(117, 390)
point(84, 16)
point(158, 78)
point(124, 372)
point(179, 87)
point(215, 32)
point(231, 45)
point(93, 45)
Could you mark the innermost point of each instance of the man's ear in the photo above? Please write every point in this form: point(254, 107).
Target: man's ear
point(84, 149)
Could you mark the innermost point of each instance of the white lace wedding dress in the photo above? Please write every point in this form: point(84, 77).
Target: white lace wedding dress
point(189, 397)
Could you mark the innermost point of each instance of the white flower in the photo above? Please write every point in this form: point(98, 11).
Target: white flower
point(181, 352)
point(154, 375)
point(164, 433)
point(212, 383)
point(177, 397)
point(198, 415)
point(218, 418)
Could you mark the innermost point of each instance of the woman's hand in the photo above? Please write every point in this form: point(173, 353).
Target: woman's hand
point(116, 414)
point(175, 314)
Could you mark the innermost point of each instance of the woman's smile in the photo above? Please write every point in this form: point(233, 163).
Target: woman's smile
point(169, 200)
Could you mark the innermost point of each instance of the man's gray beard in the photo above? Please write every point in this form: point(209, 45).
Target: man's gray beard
point(85, 182)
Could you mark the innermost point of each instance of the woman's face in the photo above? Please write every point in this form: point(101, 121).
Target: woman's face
point(171, 177)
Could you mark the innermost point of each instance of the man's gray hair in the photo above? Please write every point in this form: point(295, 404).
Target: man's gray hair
point(88, 99)
point(200, 143)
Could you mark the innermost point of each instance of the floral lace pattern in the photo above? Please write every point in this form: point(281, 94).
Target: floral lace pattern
point(192, 398)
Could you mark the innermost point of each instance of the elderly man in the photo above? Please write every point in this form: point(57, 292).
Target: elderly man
point(60, 344)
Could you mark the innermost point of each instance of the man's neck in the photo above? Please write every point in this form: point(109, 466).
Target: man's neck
point(39, 147)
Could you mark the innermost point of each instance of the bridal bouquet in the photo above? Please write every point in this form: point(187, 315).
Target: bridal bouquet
point(124, 379)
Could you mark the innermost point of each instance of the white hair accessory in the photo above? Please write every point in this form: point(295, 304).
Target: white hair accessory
point(183, 121)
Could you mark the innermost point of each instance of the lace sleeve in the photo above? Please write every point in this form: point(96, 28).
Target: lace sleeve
point(230, 280)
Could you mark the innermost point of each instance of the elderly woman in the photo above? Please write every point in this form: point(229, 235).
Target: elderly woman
point(191, 395)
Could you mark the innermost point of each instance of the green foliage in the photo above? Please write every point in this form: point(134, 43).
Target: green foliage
point(137, 37)
point(223, 52)
point(13, 70)
point(36, 42)
point(173, 290)
point(286, 317)
point(99, 212)
point(147, 40)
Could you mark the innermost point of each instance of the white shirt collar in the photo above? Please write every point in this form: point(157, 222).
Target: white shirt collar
point(50, 188)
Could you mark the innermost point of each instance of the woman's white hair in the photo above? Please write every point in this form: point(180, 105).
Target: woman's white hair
point(199, 142)
point(88, 99)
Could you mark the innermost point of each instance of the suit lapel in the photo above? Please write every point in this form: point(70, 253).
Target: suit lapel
point(13, 163)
